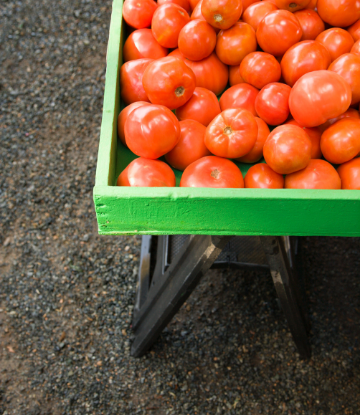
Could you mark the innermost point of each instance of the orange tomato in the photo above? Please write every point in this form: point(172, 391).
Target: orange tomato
point(239, 96)
point(278, 31)
point(314, 134)
point(232, 133)
point(261, 176)
point(349, 173)
point(304, 57)
point(131, 74)
point(256, 12)
point(312, 4)
point(356, 48)
point(340, 142)
point(234, 75)
point(247, 3)
point(319, 174)
point(203, 107)
point(350, 113)
point(287, 149)
point(259, 69)
point(354, 30)
point(123, 117)
point(337, 41)
point(339, 13)
point(292, 5)
point(185, 4)
point(138, 13)
point(311, 24)
point(256, 153)
point(221, 13)
point(235, 43)
point(194, 3)
point(142, 44)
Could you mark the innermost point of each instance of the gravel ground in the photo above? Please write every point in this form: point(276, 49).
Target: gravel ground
point(67, 294)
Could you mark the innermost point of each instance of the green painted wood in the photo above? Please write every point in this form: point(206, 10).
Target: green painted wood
point(126, 210)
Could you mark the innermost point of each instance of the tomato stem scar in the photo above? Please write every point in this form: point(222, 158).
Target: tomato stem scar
point(228, 130)
point(215, 174)
point(218, 17)
point(179, 91)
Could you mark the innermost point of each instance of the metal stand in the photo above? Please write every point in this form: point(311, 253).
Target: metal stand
point(172, 266)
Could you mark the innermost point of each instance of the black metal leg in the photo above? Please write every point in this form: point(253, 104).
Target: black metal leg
point(172, 287)
point(287, 290)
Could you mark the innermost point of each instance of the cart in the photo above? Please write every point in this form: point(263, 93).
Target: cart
point(187, 230)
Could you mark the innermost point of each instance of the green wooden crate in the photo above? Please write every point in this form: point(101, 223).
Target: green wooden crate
point(130, 210)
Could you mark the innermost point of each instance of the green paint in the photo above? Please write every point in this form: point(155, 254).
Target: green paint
point(125, 210)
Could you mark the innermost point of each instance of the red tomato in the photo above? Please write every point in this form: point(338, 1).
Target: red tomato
point(167, 22)
point(311, 24)
point(203, 107)
point(348, 66)
point(356, 48)
point(214, 172)
point(190, 147)
point(234, 75)
point(195, 33)
point(302, 58)
point(272, 103)
point(239, 96)
point(287, 149)
point(235, 43)
point(340, 13)
point(318, 96)
point(319, 174)
point(350, 113)
point(312, 4)
point(261, 176)
point(168, 81)
point(256, 153)
point(185, 4)
point(143, 172)
point(354, 30)
point(221, 13)
point(349, 173)
point(232, 133)
point(131, 74)
point(292, 5)
point(142, 44)
point(315, 137)
point(196, 13)
point(259, 69)
point(256, 12)
point(340, 142)
point(210, 72)
point(194, 3)
point(248, 3)
point(138, 13)
point(278, 31)
point(123, 117)
point(337, 41)
point(151, 131)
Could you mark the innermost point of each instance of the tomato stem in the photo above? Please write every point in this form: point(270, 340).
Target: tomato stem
point(218, 17)
point(292, 5)
point(228, 130)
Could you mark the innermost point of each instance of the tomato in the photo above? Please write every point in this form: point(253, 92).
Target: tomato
point(235, 43)
point(292, 5)
point(185, 4)
point(239, 96)
point(210, 72)
point(203, 107)
point(356, 48)
point(221, 13)
point(348, 66)
point(248, 3)
point(272, 103)
point(319, 174)
point(261, 176)
point(168, 81)
point(214, 172)
point(123, 117)
point(195, 33)
point(349, 173)
point(318, 96)
point(151, 131)
point(350, 113)
point(234, 75)
point(194, 3)
point(314, 134)
point(311, 24)
point(341, 141)
point(142, 44)
point(256, 153)
point(354, 30)
point(143, 172)
point(232, 133)
point(131, 74)
point(340, 13)
point(256, 12)
point(196, 13)
point(190, 147)
point(278, 31)
point(259, 69)
point(138, 13)
point(337, 41)
point(304, 57)
point(167, 22)
point(312, 4)
point(287, 149)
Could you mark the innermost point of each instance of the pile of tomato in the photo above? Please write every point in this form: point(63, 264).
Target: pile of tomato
point(293, 67)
